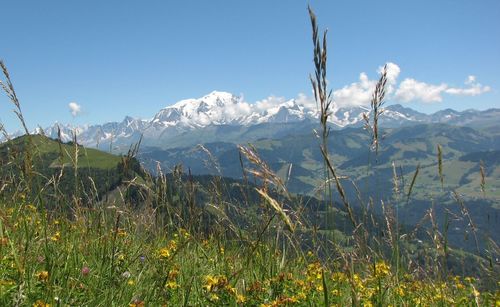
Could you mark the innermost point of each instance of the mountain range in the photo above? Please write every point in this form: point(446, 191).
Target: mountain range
point(283, 134)
point(222, 116)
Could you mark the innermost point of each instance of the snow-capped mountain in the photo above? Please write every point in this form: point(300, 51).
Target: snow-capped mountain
point(215, 112)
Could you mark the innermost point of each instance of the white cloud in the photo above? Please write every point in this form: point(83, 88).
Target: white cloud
point(470, 79)
point(355, 94)
point(413, 90)
point(303, 100)
point(474, 89)
point(360, 93)
point(393, 71)
point(74, 108)
point(236, 110)
point(269, 103)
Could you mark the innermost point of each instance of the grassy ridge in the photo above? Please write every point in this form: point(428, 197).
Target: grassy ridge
point(52, 153)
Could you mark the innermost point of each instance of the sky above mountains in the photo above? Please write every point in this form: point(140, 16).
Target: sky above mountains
point(97, 61)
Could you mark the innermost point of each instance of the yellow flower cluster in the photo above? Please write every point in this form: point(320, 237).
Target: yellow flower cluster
point(169, 250)
point(381, 269)
point(218, 289)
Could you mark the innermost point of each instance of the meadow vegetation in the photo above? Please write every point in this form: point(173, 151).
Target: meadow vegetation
point(80, 227)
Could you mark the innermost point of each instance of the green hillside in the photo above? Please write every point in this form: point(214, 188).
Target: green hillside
point(61, 169)
point(407, 147)
point(45, 148)
point(298, 161)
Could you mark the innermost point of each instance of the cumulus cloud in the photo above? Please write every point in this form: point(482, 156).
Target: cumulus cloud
point(74, 108)
point(236, 110)
point(360, 93)
point(355, 94)
point(413, 90)
point(303, 100)
point(269, 103)
point(474, 88)
point(393, 71)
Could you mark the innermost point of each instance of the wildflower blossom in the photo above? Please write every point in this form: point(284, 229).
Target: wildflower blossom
point(137, 303)
point(40, 303)
point(85, 271)
point(43, 276)
point(240, 299)
point(121, 232)
point(168, 250)
point(171, 284)
point(381, 269)
point(56, 237)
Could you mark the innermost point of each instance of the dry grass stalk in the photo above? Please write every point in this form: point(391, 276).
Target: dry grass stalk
point(4, 132)
point(395, 179)
point(440, 165)
point(340, 188)
point(8, 88)
point(319, 83)
point(388, 216)
point(482, 173)
point(412, 184)
point(212, 160)
point(278, 208)
point(465, 213)
point(436, 234)
point(376, 109)
point(263, 172)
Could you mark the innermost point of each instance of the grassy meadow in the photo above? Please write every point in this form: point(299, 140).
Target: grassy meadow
point(80, 227)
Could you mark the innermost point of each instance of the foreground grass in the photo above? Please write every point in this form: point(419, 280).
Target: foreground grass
point(107, 256)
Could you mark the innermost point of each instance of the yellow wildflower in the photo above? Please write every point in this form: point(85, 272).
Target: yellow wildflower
point(137, 303)
point(40, 303)
point(213, 297)
point(56, 237)
point(381, 269)
point(339, 277)
point(400, 290)
point(6, 282)
point(172, 285)
point(475, 292)
point(240, 299)
point(121, 232)
point(164, 252)
point(43, 276)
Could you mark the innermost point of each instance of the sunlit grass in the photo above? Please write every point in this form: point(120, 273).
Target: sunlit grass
point(95, 260)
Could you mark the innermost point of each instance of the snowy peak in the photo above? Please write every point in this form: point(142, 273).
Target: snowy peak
point(214, 108)
point(225, 109)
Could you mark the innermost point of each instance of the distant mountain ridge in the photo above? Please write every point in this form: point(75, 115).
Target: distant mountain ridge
point(218, 110)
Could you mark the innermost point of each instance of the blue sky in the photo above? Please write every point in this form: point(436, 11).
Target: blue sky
point(117, 58)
